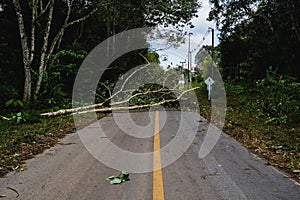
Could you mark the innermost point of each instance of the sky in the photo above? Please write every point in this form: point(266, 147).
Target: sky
point(175, 56)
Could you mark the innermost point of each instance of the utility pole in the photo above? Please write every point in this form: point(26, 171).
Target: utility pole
point(189, 56)
point(212, 41)
point(212, 48)
point(182, 62)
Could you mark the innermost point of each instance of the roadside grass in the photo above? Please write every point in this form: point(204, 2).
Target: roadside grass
point(19, 142)
point(279, 144)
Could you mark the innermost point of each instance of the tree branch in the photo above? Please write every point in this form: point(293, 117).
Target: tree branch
point(60, 34)
point(79, 34)
point(69, 4)
point(81, 19)
point(251, 13)
point(167, 91)
point(23, 34)
point(87, 109)
point(43, 10)
point(42, 67)
point(33, 20)
point(5, 118)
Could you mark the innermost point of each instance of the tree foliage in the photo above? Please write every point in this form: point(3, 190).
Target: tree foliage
point(41, 36)
point(257, 34)
point(280, 104)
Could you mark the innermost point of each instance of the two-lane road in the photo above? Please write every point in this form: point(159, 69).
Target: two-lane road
point(69, 171)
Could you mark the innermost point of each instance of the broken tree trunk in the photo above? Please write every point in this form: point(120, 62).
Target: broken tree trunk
point(98, 108)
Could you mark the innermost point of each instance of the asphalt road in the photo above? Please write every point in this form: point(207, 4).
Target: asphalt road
point(69, 171)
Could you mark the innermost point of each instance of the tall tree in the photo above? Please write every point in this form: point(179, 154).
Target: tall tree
point(42, 25)
point(115, 16)
point(41, 14)
point(263, 33)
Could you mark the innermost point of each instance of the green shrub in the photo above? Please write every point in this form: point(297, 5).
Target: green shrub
point(278, 99)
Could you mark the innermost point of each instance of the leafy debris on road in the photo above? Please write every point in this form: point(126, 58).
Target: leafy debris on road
point(122, 177)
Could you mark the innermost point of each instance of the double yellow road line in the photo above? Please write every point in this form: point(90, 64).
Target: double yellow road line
point(158, 186)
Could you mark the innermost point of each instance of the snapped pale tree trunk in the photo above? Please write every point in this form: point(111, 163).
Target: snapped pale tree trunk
point(119, 105)
point(98, 108)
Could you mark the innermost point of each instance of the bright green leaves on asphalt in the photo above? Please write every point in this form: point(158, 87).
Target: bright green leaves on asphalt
point(123, 177)
point(114, 180)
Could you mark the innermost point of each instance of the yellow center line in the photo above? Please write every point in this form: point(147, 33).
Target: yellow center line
point(158, 187)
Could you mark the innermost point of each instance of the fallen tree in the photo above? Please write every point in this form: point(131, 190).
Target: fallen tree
point(165, 91)
point(98, 107)
point(5, 118)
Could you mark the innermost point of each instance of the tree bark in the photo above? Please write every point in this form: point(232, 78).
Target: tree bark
point(47, 51)
point(27, 60)
point(42, 67)
point(28, 44)
point(58, 37)
point(97, 108)
point(69, 4)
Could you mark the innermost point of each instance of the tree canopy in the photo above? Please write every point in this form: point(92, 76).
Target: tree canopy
point(256, 35)
point(45, 41)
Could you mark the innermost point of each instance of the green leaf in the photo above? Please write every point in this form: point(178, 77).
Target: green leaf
point(20, 103)
point(110, 178)
point(9, 102)
point(125, 173)
point(116, 181)
point(120, 179)
point(125, 176)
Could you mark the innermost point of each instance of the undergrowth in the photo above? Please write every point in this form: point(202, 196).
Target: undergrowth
point(21, 141)
point(264, 117)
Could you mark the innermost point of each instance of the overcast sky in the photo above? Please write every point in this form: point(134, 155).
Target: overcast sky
point(175, 56)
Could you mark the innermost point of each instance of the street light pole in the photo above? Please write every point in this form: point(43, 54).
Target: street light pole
point(189, 56)
point(212, 42)
point(182, 62)
point(212, 48)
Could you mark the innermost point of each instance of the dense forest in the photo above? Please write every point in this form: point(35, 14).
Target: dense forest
point(257, 35)
point(259, 52)
point(44, 42)
point(259, 57)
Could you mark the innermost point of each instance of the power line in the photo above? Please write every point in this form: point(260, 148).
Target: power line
point(202, 41)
